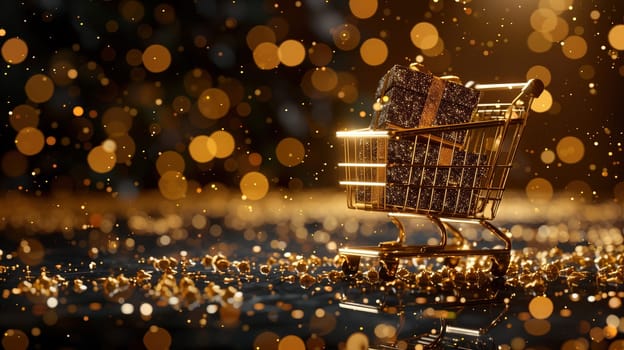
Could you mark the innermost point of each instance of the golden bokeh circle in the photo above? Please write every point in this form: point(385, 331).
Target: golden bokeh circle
point(616, 37)
point(29, 141)
point(374, 51)
point(116, 121)
point(39, 88)
point(254, 185)
point(266, 56)
point(266, 341)
point(539, 72)
point(101, 160)
point(291, 342)
point(156, 58)
point(290, 152)
point(424, 35)
point(587, 72)
point(543, 103)
point(357, 341)
point(547, 156)
point(213, 103)
point(574, 47)
point(258, 35)
point(291, 53)
point(170, 161)
point(346, 36)
point(324, 79)
point(363, 8)
point(202, 149)
point(320, 54)
point(543, 20)
point(537, 42)
point(570, 149)
point(173, 185)
point(157, 338)
point(15, 339)
point(23, 116)
point(31, 251)
point(224, 142)
point(539, 190)
point(125, 148)
point(14, 50)
point(541, 307)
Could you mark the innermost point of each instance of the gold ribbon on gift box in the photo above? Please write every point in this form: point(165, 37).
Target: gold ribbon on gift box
point(430, 109)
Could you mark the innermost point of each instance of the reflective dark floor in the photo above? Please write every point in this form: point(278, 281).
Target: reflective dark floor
point(221, 273)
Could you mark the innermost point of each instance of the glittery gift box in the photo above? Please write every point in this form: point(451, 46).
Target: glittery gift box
point(411, 98)
point(434, 176)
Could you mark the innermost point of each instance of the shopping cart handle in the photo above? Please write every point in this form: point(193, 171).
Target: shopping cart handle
point(533, 88)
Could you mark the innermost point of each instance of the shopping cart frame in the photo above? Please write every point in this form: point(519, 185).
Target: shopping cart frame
point(498, 126)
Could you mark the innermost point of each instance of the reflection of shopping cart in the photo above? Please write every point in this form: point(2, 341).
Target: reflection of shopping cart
point(446, 173)
point(434, 322)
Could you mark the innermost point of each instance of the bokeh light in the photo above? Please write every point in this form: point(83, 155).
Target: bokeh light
point(15, 339)
point(570, 149)
point(258, 35)
point(291, 342)
point(539, 190)
point(39, 88)
point(543, 103)
point(539, 72)
point(101, 160)
point(31, 251)
point(374, 51)
point(363, 8)
point(170, 161)
point(290, 152)
point(14, 50)
point(24, 116)
point(266, 56)
point(254, 185)
point(156, 58)
point(224, 142)
point(357, 341)
point(157, 338)
point(213, 103)
point(29, 141)
point(346, 36)
point(203, 148)
point(616, 37)
point(291, 53)
point(173, 185)
point(574, 47)
point(424, 35)
point(541, 307)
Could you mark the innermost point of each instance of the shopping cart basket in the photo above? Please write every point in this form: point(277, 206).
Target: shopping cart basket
point(446, 173)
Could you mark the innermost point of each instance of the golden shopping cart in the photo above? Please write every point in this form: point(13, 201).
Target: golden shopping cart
point(447, 173)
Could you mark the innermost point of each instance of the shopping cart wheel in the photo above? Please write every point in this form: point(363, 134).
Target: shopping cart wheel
point(388, 268)
point(350, 265)
point(500, 263)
